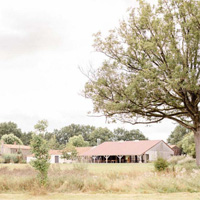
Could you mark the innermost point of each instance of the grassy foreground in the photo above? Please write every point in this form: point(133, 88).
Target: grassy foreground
point(112, 181)
point(63, 196)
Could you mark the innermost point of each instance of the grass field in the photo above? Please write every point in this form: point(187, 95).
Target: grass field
point(100, 181)
point(63, 196)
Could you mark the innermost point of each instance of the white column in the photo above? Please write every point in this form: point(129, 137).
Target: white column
point(94, 158)
point(120, 157)
point(106, 158)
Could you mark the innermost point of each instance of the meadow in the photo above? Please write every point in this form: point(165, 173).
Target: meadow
point(101, 181)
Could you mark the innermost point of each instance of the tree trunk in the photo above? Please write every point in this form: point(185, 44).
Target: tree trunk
point(197, 146)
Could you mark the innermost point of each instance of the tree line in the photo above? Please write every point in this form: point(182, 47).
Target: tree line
point(75, 134)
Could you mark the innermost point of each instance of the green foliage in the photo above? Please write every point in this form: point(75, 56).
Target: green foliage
point(161, 164)
point(177, 134)
point(53, 143)
point(152, 70)
point(69, 152)
point(78, 141)
point(125, 135)
point(104, 134)
point(41, 126)
point(8, 128)
point(26, 138)
point(187, 144)
point(12, 158)
point(67, 132)
point(11, 139)
point(41, 163)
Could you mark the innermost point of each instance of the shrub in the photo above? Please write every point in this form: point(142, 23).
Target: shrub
point(7, 158)
point(161, 164)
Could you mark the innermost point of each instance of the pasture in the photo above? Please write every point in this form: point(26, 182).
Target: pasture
point(100, 181)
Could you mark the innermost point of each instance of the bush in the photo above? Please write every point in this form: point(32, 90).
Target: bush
point(7, 158)
point(161, 164)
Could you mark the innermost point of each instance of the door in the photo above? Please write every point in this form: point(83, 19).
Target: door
point(56, 159)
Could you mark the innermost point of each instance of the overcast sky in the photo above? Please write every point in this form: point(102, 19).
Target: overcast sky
point(42, 45)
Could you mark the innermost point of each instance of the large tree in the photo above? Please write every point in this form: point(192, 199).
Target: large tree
point(153, 67)
point(10, 127)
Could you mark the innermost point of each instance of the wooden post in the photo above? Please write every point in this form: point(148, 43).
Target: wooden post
point(106, 158)
point(140, 158)
point(94, 158)
point(120, 157)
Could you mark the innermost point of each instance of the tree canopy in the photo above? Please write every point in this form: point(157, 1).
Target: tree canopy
point(11, 139)
point(8, 128)
point(153, 67)
point(125, 135)
point(177, 134)
point(78, 141)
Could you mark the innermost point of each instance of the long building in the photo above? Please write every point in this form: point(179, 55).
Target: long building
point(128, 152)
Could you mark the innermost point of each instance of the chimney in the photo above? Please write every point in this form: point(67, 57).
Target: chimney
point(15, 143)
point(98, 141)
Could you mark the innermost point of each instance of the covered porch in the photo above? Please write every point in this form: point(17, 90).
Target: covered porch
point(120, 159)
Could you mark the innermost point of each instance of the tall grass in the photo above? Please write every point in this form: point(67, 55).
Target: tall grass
point(78, 178)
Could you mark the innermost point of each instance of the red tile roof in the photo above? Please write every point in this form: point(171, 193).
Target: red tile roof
point(122, 148)
point(55, 152)
point(81, 150)
point(15, 146)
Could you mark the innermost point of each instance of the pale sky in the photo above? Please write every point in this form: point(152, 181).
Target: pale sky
point(43, 44)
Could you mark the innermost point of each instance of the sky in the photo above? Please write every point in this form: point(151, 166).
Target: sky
point(43, 45)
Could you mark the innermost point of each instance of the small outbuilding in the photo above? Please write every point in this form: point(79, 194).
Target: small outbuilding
point(128, 151)
point(177, 150)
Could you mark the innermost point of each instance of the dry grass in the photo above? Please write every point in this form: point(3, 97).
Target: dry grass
point(89, 178)
point(64, 196)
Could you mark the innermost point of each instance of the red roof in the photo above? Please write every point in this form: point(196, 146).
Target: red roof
point(15, 146)
point(122, 148)
point(55, 152)
point(81, 150)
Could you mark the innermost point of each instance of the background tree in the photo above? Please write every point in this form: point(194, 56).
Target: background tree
point(153, 67)
point(69, 152)
point(26, 138)
point(11, 139)
point(53, 143)
point(41, 127)
point(177, 134)
point(125, 135)
point(66, 132)
point(187, 144)
point(41, 163)
point(10, 127)
point(78, 141)
point(104, 134)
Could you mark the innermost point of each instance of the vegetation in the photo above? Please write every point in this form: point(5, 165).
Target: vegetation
point(152, 68)
point(78, 141)
point(161, 164)
point(102, 178)
point(177, 134)
point(187, 145)
point(11, 139)
point(41, 154)
point(69, 152)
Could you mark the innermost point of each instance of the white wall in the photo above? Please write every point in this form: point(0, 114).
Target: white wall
point(160, 150)
point(52, 159)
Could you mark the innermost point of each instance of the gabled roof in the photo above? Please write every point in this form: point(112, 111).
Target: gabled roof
point(81, 150)
point(15, 146)
point(122, 148)
point(55, 152)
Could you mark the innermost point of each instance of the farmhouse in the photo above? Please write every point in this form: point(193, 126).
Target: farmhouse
point(56, 155)
point(15, 149)
point(128, 151)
